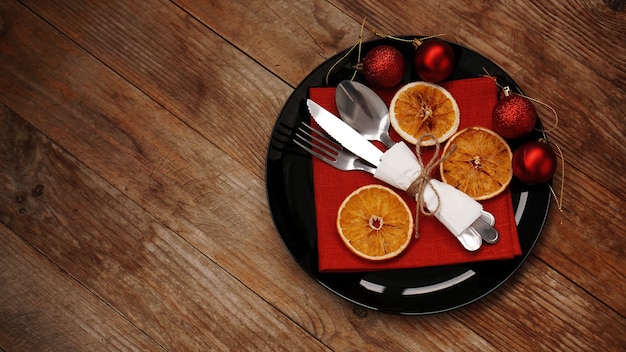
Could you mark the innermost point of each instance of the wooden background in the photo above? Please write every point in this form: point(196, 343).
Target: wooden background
point(133, 213)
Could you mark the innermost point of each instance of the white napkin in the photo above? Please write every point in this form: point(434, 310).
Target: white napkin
point(399, 167)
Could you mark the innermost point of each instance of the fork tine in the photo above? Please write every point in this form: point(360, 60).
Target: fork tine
point(328, 154)
point(326, 149)
point(314, 153)
point(321, 138)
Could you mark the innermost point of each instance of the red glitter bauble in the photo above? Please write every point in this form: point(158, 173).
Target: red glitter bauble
point(514, 116)
point(434, 60)
point(534, 162)
point(383, 66)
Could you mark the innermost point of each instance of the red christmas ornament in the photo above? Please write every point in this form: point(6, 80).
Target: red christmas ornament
point(383, 66)
point(434, 60)
point(534, 162)
point(513, 116)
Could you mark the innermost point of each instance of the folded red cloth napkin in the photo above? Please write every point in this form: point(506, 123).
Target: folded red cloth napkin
point(436, 246)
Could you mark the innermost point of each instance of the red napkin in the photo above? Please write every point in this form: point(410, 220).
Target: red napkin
point(436, 246)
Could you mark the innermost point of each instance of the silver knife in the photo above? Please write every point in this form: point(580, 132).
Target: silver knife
point(344, 134)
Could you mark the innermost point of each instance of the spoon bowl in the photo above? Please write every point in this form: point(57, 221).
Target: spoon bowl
point(362, 109)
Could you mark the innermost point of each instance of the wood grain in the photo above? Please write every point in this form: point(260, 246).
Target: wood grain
point(42, 308)
point(104, 241)
point(181, 69)
point(557, 311)
point(311, 30)
point(132, 176)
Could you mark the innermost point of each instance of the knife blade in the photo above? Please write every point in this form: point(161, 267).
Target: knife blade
point(344, 134)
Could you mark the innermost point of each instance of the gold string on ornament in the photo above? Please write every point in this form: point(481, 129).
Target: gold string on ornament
point(415, 41)
point(558, 199)
point(358, 45)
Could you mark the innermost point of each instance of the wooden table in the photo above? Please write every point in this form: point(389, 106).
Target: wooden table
point(132, 156)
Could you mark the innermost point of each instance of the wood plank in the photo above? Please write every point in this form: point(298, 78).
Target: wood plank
point(92, 104)
point(152, 157)
point(44, 308)
point(290, 38)
point(551, 313)
point(161, 284)
point(179, 68)
point(589, 245)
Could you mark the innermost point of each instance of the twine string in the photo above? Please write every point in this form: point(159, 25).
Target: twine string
point(417, 187)
point(556, 116)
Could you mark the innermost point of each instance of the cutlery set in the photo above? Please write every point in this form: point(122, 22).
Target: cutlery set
point(365, 118)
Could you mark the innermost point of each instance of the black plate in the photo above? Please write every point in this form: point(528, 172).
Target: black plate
point(289, 183)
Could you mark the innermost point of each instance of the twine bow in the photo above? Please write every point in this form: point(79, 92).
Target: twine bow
point(417, 187)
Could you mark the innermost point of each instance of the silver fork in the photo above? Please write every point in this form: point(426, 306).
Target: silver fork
point(320, 145)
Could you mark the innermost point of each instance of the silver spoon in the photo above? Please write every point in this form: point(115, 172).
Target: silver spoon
point(362, 109)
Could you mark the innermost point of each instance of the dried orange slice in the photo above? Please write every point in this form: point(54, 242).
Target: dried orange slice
point(375, 223)
point(419, 108)
point(481, 164)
